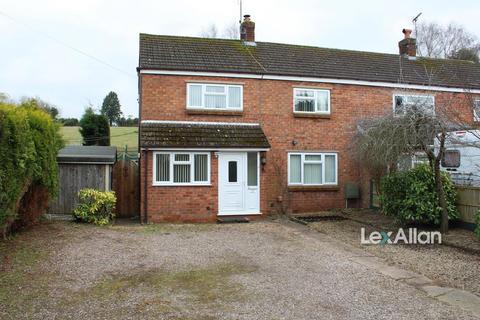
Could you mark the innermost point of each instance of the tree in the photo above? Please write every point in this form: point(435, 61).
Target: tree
point(69, 122)
point(210, 31)
point(47, 107)
point(437, 41)
point(232, 31)
point(94, 129)
point(111, 108)
point(470, 54)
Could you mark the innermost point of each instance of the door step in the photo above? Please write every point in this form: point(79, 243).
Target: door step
point(233, 220)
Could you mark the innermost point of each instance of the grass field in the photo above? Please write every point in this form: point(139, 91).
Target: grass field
point(119, 137)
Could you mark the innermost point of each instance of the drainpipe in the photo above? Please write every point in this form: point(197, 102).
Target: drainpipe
point(145, 185)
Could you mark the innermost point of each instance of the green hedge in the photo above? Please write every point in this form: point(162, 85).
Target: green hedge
point(410, 196)
point(29, 143)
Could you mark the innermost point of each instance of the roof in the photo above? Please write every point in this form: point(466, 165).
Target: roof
point(87, 154)
point(208, 135)
point(222, 55)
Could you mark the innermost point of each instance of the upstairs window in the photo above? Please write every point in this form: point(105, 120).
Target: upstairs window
point(403, 103)
point(311, 101)
point(476, 110)
point(214, 96)
point(312, 169)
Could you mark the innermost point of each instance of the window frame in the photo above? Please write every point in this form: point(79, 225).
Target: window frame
point(302, 164)
point(191, 162)
point(315, 90)
point(476, 116)
point(410, 95)
point(225, 86)
point(456, 151)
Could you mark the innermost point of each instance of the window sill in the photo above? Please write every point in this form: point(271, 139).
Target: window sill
point(180, 185)
point(314, 188)
point(311, 115)
point(215, 112)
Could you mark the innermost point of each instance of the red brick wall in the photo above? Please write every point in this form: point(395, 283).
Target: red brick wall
point(270, 103)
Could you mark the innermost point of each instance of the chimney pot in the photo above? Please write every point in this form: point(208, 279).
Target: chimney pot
point(408, 46)
point(247, 29)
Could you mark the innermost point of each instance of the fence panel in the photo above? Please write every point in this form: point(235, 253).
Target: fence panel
point(468, 203)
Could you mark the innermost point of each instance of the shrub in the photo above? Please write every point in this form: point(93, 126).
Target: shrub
point(29, 142)
point(477, 221)
point(410, 196)
point(94, 129)
point(95, 206)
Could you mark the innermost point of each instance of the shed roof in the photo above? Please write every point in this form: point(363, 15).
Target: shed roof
point(87, 154)
point(160, 52)
point(208, 135)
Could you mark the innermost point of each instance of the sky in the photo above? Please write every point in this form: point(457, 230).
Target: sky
point(72, 53)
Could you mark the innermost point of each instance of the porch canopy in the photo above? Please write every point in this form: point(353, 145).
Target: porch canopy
point(202, 135)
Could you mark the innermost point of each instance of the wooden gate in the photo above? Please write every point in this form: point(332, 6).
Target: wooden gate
point(125, 184)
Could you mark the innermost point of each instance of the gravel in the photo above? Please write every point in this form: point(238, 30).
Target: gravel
point(261, 270)
point(448, 266)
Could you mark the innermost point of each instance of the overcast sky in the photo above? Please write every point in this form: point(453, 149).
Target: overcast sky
point(34, 63)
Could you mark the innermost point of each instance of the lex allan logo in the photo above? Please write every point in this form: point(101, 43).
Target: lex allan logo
point(412, 236)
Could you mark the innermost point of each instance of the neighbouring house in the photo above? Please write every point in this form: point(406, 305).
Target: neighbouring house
point(81, 167)
point(244, 128)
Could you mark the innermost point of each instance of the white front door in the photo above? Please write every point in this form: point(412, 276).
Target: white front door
point(238, 183)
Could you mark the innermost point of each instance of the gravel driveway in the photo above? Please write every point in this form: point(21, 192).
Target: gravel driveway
point(262, 270)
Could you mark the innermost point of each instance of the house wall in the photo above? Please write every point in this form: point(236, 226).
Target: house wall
point(270, 103)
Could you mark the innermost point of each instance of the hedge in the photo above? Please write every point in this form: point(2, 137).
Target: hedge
point(29, 143)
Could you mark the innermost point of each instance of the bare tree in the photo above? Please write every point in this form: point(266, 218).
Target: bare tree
point(232, 31)
point(210, 31)
point(437, 41)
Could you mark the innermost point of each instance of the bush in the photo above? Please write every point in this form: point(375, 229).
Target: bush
point(94, 129)
point(477, 221)
point(410, 196)
point(29, 143)
point(95, 206)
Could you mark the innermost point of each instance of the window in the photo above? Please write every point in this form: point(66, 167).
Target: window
point(181, 168)
point(404, 103)
point(311, 101)
point(252, 169)
point(312, 168)
point(476, 110)
point(214, 96)
point(232, 171)
point(451, 159)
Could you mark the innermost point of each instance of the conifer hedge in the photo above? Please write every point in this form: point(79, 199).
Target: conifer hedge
point(29, 143)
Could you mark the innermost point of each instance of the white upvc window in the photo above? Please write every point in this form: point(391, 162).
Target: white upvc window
point(181, 168)
point(312, 169)
point(402, 103)
point(311, 101)
point(214, 96)
point(476, 110)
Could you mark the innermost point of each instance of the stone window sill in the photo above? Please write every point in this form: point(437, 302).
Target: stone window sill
point(311, 115)
point(214, 112)
point(313, 188)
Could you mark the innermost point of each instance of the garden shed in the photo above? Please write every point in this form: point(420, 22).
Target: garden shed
point(82, 167)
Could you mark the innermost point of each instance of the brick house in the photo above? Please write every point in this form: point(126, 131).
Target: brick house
point(245, 128)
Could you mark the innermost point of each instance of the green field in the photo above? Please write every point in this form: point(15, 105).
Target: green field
point(119, 137)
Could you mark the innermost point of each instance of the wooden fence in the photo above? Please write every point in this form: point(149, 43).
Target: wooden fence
point(125, 184)
point(468, 203)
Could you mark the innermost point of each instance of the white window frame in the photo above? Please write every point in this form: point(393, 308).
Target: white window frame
point(476, 116)
point(410, 95)
point(172, 162)
point(322, 161)
point(314, 98)
point(225, 86)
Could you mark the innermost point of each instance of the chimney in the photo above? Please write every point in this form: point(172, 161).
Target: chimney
point(408, 46)
point(247, 29)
